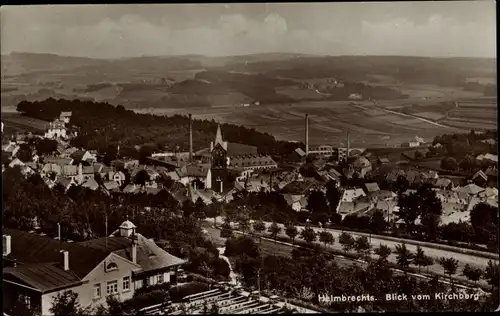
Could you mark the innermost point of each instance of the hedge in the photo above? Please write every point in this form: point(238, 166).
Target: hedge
point(179, 292)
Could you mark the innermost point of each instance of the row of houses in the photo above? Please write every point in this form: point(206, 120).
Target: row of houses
point(37, 268)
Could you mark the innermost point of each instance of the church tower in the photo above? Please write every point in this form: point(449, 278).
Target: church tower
point(218, 150)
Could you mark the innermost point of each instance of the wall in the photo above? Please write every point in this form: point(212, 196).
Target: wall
point(47, 298)
point(99, 275)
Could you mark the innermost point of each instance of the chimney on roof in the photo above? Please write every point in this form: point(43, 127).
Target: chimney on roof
point(65, 260)
point(307, 135)
point(190, 137)
point(80, 172)
point(6, 245)
point(134, 247)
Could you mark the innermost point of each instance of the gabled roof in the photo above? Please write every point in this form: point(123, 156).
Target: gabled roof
point(112, 173)
point(235, 149)
point(87, 169)
point(131, 188)
point(442, 182)
point(149, 255)
point(43, 276)
point(299, 187)
point(351, 195)
point(153, 191)
point(91, 184)
point(372, 187)
point(471, 189)
point(172, 175)
point(58, 160)
point(70, 170)
point(489, 192)
point(31, 248)
point(481, 174)
point(300, 152)
point(197, 170)
point(78, 155)
point(111, 185)
point(66, 114)
point(65, 182)
point(98, 167)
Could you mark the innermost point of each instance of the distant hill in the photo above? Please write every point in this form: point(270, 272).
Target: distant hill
point(201, 81)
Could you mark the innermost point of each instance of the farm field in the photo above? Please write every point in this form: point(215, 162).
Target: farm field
point(14, 122)
point(328, 122)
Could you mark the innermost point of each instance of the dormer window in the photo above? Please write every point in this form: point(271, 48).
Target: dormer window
point(111, 267)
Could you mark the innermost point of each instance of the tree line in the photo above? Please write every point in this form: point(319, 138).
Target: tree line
point(102, 125)
point(297, 277)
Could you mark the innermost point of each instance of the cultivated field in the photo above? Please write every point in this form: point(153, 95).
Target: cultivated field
point(14, 122)
point(328, 122)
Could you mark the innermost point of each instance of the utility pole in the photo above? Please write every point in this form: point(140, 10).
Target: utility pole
point(59, 231)
point(258, 280)
point(106, 223)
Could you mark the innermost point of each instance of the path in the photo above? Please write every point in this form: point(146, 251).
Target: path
point(463, 259)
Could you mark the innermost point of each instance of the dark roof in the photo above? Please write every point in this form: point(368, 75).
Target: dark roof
point(234, 149)
point(78, 155)
point(44, 276)
point(249, 160)
point(299, 187)
point(32, 248)
point(114, 243)
point(149, 255)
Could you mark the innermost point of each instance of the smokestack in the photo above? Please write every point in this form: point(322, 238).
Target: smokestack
point(348, 145)
point(58, 231)
point(190, 137)
point(6, 245)
point(65, 260)
point(307, 135)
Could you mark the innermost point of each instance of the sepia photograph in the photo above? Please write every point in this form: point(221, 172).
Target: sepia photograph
point(249, 158)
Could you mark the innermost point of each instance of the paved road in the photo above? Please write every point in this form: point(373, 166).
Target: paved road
point(463, 259)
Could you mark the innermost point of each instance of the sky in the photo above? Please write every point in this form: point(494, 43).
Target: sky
point(430, 28)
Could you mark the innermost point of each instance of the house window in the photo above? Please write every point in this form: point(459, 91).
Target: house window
point(97, 290)
point(159, 278)
point(111, 266)
point(112, 287)
point(26, 300)
point(126, 284)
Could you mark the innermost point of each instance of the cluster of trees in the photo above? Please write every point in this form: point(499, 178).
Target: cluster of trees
point(367, 92)
point(460, 146)
point(257, 86)
point(40, 146)
point(297, 277)
point(102, 125)
point(272, 207)
point(83, 214)
point(468, 164)
point(488, 90)
point(425, 206)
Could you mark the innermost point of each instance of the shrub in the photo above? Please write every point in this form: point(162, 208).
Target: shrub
point(179, 292)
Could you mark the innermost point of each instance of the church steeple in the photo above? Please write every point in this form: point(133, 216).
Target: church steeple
point(218, 136)
point(218, 140)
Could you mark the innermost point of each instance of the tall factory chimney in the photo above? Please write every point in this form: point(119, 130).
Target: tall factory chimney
point(348, 146)
point(190, 137)
point(307, 135)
